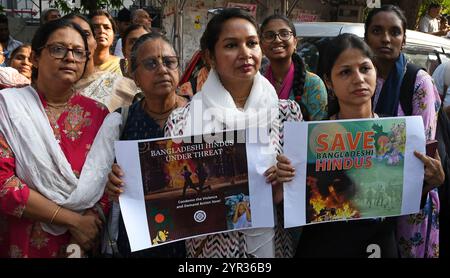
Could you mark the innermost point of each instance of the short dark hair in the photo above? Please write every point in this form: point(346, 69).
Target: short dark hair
point(124, 15)
point(281, 17)
point(130, 29)
point(333, 50)
point(107, 15)
point(45, 31)
point(214, 27)
point(385, 8)
point(434, 6)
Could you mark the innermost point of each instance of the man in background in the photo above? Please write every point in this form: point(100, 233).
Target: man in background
point(8, 43)
point(140, 16)
point(429, 23)
point(49, 15)
point(123, 20)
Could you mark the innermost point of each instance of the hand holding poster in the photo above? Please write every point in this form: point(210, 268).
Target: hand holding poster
point(176, 188)
point(353, 169)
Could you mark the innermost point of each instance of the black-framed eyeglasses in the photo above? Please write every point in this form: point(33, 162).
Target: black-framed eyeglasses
point(283, 34)
point(150, 64)
point(59, 51)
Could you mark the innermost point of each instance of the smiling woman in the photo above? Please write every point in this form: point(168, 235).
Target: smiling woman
point(20, 60)
point(54, 131)
point(287, 71)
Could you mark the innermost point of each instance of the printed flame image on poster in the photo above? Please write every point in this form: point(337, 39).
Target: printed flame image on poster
point(194, 188)
point(354, 169)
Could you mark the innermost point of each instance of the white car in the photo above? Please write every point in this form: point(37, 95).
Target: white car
point(422, 49)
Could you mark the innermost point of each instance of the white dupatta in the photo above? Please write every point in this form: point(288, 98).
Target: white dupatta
point(41, 163)
point(213, 109)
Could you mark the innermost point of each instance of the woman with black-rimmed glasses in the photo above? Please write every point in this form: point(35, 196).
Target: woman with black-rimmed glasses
point(287, 71)
point(48, 191)
point(154, 67)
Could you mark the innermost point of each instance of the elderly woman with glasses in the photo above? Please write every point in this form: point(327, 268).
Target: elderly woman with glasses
point(48, 187)
point(287, 71)
point(155, 69)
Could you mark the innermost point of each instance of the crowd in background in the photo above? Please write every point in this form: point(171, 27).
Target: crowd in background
point(63, 98)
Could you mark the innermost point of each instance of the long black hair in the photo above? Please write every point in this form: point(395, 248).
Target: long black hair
point(334, 49)
point(298, 85)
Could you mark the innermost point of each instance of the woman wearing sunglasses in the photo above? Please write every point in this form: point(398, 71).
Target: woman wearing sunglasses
point(107, 87)
point(155, 69)
point(287, 71)
point(47, 131)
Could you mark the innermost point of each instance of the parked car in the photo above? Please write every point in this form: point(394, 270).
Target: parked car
point(422, 49)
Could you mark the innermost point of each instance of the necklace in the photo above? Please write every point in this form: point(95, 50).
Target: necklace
point(57, 106)
point(160, 116)
point(164, 112)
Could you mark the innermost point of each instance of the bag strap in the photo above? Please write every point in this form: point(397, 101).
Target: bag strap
point(124, 112)
point(407, 88)
point(112, 227)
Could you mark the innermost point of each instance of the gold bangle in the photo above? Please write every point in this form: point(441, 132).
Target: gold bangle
point(55, 213)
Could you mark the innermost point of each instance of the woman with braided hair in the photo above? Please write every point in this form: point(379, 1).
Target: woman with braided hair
point(287, 71)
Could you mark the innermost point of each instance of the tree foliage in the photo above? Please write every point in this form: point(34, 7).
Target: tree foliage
point(87, 6)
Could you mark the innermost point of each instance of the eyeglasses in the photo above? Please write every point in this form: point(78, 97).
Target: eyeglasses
point(60, 52)
point(283, 34)
point(170, 62)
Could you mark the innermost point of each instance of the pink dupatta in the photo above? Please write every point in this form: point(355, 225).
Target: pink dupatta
point(287, 82)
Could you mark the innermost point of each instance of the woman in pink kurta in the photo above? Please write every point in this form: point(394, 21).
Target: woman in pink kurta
point(75, 130)
point(417, 234)
point(39, 215)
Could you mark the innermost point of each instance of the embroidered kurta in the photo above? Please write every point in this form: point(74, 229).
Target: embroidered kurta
point(109, 88)
point(412, 229)
point(75, 131)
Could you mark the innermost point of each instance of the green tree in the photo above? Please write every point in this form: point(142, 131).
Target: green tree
point(87, 6)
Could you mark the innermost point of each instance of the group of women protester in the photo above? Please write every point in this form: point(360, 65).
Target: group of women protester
point(56, 144)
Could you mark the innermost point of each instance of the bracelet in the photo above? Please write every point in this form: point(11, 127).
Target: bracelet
point(55, 213)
